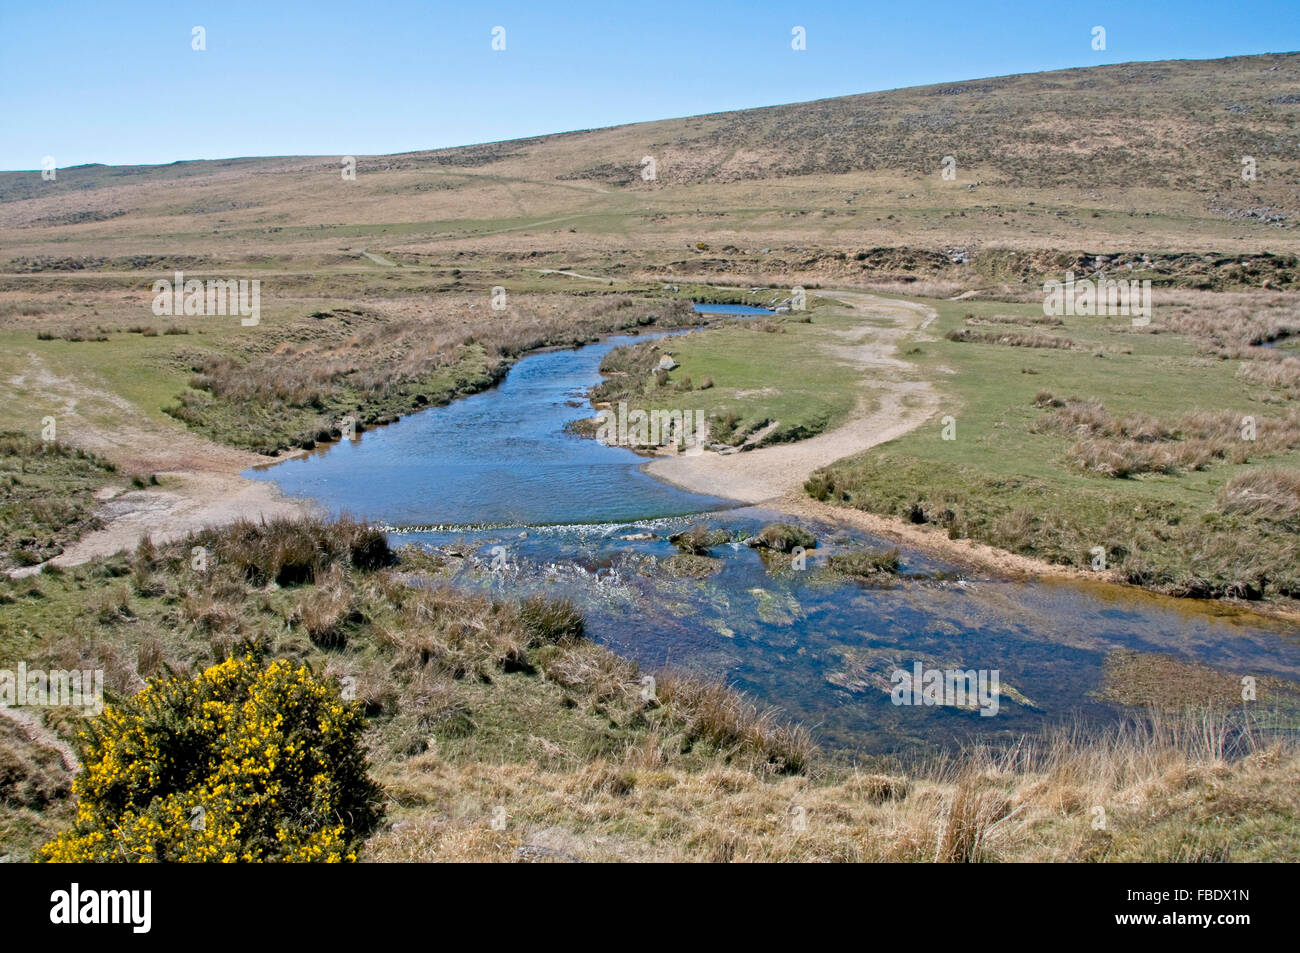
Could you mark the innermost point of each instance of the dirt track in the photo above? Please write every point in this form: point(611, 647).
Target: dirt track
point(199, 480)
point(759, 476)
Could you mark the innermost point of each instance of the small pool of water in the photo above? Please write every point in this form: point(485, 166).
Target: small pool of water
point(706, 308)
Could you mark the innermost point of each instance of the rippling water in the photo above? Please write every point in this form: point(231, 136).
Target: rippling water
point(823, 647)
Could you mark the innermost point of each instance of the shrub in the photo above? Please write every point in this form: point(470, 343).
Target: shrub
point(244, 762)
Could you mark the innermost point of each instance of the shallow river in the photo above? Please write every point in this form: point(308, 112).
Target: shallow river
point(494, 479)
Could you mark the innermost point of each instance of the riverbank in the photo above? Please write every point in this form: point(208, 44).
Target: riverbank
point(1157, 457)
point(179, 442)
point(892, 401)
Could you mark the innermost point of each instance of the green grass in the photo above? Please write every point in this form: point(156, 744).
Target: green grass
point(46, 497)
point(746, 375)
point(481, 680)
point(473, 703)
point(1002, 483)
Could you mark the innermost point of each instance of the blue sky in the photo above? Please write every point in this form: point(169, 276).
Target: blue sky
point(119, 83)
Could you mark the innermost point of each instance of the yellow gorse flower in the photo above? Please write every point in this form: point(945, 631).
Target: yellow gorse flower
point(243, 763)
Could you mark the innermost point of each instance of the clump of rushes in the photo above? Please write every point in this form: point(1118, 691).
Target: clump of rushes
point(699, 539)
point(864, 564)
point(551, 620)
point(245, 762)
point(782, 537)
point(712, 712)
point(1269, 494)
point(295, 551)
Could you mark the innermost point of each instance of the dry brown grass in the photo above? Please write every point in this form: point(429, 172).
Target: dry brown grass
point(465, 635)
point(1273, 494)
point(1142, 791)
point(1126, 446)
point(1012, 339)
point(732, 723)
point(325, 612)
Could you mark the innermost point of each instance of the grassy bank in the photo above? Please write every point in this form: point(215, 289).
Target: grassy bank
point(46, 497)
point(758, 381)
point(309, 363)
point(1160, 453)
point(498, 732)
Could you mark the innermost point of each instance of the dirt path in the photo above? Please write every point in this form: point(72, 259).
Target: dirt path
point(902, 403)
point(34, 730)
point(199, 480)
point(377, 259)
point(774, 476)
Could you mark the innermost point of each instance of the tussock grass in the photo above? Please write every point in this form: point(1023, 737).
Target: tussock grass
point(1272, 494)
point(289, 551)
point(713, 712)
point(1126, 446)
point(782, 537)
point(863, 564)
point(1012, 339)
point(699, 539)
point(1155, 543)
point(379, 363)
point(1154, 788)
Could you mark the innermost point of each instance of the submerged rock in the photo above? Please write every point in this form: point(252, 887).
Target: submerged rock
point(691, 566)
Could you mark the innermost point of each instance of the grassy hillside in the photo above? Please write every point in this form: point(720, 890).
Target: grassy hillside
point(497, 731)
point(1140, 157)
point(1138, 164)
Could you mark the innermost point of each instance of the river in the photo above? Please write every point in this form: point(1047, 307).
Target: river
point(494, 480)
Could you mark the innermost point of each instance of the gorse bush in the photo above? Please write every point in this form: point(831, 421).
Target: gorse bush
point(245, 762)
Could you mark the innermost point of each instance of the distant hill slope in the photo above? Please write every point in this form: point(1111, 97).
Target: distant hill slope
point(1179, 124)
point(1163, 140)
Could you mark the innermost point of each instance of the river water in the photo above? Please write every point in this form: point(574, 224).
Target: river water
point(494, 480)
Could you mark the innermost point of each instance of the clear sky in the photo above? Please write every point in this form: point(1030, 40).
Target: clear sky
point(119, 83)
